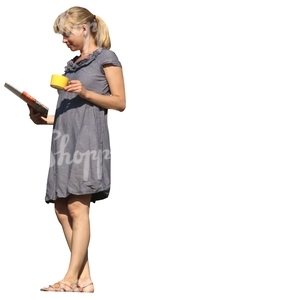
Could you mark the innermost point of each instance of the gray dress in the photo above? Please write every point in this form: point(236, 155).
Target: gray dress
point(80, 147)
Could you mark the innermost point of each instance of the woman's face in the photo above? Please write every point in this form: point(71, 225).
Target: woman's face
point(74, 38)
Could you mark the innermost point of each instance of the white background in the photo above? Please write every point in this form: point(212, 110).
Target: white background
point(205, 159)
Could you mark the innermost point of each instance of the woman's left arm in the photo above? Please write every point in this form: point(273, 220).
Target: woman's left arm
point(115, 79)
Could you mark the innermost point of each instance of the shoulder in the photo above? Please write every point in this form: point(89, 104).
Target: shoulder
point(108, 57)
point(104, 51)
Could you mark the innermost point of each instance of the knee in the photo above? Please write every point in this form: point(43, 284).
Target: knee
point(78, 206)
point(78, 210)
point(74, 210)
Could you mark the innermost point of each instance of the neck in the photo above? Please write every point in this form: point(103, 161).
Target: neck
point(88, 50)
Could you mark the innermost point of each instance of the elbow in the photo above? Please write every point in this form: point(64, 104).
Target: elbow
point(122, 106)
point(120, 109)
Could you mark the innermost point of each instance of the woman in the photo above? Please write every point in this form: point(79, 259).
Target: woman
point(79, 170)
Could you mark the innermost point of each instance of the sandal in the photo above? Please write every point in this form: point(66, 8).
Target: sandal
point(61, 287)
point(83, 287)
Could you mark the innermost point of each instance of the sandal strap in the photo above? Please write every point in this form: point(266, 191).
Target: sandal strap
point(65, 290)
point(60, 286)
point(82, 287)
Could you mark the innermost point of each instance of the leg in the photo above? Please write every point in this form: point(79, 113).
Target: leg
point(73, 215)
point(78, 210)
point(64, 218)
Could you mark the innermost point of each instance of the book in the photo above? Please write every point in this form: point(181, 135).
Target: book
point(31, 101)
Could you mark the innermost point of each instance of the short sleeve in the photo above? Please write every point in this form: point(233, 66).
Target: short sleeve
point(109, 57)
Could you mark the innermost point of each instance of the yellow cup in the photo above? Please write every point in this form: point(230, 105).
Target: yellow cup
point(59, 81)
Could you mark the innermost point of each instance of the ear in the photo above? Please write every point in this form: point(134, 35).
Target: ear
point(84, 30)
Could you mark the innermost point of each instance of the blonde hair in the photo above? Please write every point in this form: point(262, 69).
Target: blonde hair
point(76, 16)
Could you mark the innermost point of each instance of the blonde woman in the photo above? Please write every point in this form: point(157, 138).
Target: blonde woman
point(79, 171)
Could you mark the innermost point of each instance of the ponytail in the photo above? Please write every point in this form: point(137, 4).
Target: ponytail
point(102, 35)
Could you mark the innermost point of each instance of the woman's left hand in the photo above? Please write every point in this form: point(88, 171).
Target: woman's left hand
point(75, 86)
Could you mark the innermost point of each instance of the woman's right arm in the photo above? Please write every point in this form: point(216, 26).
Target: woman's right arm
point(38, 119)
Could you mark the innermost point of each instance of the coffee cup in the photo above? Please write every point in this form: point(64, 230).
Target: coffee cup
point(59, 81)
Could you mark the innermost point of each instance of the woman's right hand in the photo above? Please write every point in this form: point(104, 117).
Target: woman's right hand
point(36, 117)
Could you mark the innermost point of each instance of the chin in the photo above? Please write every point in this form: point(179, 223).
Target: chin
point(72, 48)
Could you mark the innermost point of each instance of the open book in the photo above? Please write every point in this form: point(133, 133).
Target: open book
point(32, 102)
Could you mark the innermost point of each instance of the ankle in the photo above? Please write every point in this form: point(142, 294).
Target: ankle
point(83, 280)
